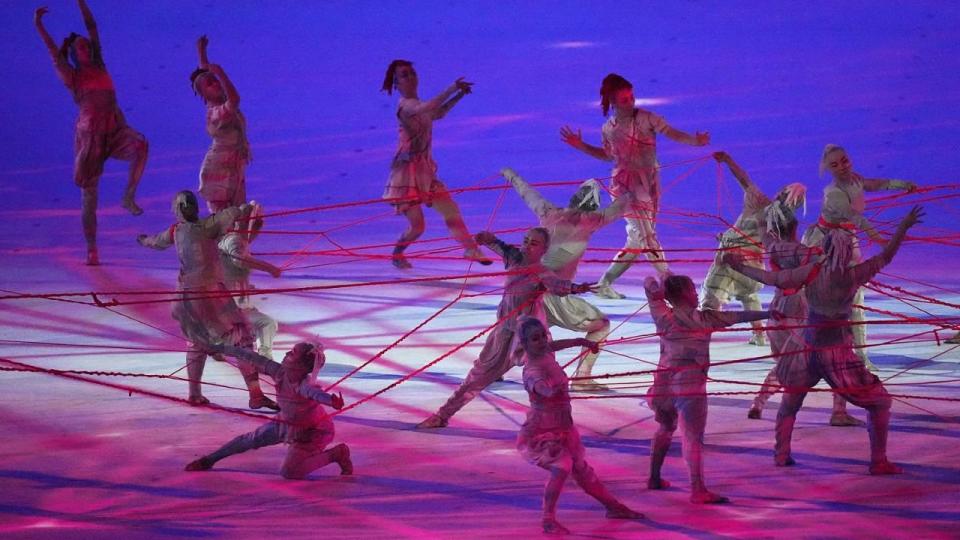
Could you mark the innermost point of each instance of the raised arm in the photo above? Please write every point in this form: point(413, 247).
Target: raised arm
point(741, 175)
point(530, 195)
point(91, 25)
point(233, 97)
point(202, 43)
point(865, 271)
point(63, 69)
point(575, 139)
point(261, 363)
point(656, 300)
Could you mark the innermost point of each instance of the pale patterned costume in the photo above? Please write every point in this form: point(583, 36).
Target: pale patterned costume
point(548, 433)
point(413, 173)
point(843, 208)
point(744, 237)
point(206, 312)
point(830, 296)
point(632, 144)
point(302, 423)
point(234, 249)
point(101, 131)
point(222, 175)
point(522, 297)
point(679, 388)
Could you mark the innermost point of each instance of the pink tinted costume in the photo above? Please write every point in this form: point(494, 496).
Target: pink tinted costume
point(548, 434)
point(234, 250)
point(222, 175)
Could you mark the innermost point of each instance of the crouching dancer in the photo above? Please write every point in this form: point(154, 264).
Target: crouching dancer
point(548, 439)
point(680, 382)
point(302, 423)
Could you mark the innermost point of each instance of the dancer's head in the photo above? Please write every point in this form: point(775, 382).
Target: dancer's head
point(206, 85)
point(533, 337)
point(400, 76)
point(680, 291)
point(535, 244)
point(185, 206)
point(78, 49)
point(781, 215)
point(836, 160)
point(616, 91)
point(587, 197)
point(303, 358)
point(838, 247)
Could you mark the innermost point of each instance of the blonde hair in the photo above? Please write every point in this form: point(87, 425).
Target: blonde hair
point(827, 150)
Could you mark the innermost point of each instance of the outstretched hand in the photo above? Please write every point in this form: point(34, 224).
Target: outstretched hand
point(39, 13)
point(202, 42)
point(592, 345)
point(142, 239)
point(703, 138)
point(913, 217)
point(336, 401)
point(721, 156)
point(573, 138)
point(464, 86)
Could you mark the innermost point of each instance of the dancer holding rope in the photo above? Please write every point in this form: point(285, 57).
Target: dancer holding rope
point(413, 178)
point(237, 262)
point(843, 208)
point(207, 314)
point(302, 423)
point(745, 237)
point(526, 282)
point(831, 286)
point(570, 230)
point(222, 175)
point(101, 131)
point(680, 383)
point(548, 438)
point(630, 140)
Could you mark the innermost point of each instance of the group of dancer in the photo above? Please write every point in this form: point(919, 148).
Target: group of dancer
point(818, 329)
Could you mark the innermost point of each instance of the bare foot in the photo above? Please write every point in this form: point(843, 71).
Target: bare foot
point(621, 511)
point(131, 206)
point(262, 401)
point(400, 262)
point(552, 526)
point(202, 464)
point(845, 420)
point(343, 459)
point(433, 422)
point(884, 467)
point(784, 462)
point(758, 339)
point(754, 413)
point(657, 483)
point(706, 497)
point(587, 385)
point(198, 400)
point(604, 290)
point(93, 258)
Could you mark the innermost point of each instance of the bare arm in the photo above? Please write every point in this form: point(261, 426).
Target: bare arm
point(887, 184)
point(729, 318)
point(741, 175)
point(682, 137)
point(90, 23)
point(448, 104)
point(530, 195)
point(202, 43)
point(63, 69)
point(237, 250)
point(561, 344)
point(261, 363)
point(575, 139)
point(233, 97)
point(865, 271)
point(791, 278)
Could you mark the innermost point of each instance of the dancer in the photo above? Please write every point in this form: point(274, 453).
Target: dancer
point(548, 438)
point(630, 141)
point(680, 382)
point(843, 208)
point(237, 262)
point(222, 175)
point(205, 310)
point(527, 280)
point(830, 294)
point(413, 178)
point(101, 131)
point(302, 422)
point(570, 229)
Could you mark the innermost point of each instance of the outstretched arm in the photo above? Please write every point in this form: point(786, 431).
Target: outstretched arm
point(309, 391)
point(261, 363)
point(161, 240)
point(575, 139)
point(729, 318)
point(887, 184)
point(561, 344)
point(682, 137)
point(530, 195)
point(741, 175)
point(463, 88)
point(865, 271)
point(791, 278)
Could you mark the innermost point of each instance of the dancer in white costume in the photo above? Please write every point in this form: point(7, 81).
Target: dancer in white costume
point(679, 388)
point(101, 131)
point(570, 230)
point(548, 438)
point(630, 141)
point(207, 314)
point(744, 237)
point(527, 281)
point(222, 175)
point(843, 208)
point(237, 263)
point(302, 422)
point(413, 178)
point(830, 286)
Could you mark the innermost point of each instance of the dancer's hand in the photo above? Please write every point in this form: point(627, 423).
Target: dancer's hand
point(909, 187)
point(485, 237)
point(721, 157)
point(142, 239)
point(653, 289)
point(573, 138)
point(508, 173)
point(592, 345)
point(275, 271)
point(336, 401)
point(703, 138)
point(39, 13)
point(464, 86)
point(202, 42)
point(913, 217)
